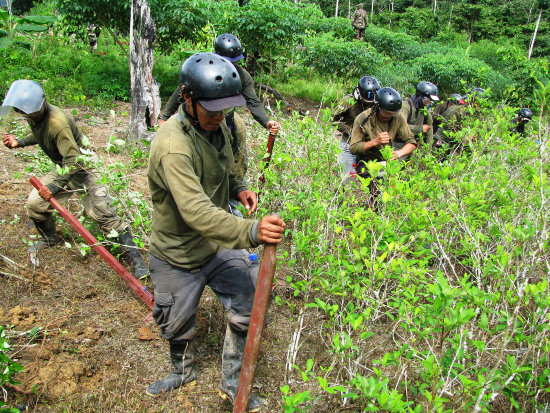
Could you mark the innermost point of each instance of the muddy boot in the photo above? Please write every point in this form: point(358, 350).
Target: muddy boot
point(140, 268)
point(49, 236)
point(232, 357)
point(181, 356)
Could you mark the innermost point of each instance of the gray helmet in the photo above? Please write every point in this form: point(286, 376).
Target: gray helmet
point(427, 89)
point(25, 95)
point(457, 99)
point(525, 114)
point(368, 86)
point(389, 99)
point(228, 46)
point(212, 81)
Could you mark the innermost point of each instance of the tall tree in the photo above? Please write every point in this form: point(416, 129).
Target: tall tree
point(144, 90)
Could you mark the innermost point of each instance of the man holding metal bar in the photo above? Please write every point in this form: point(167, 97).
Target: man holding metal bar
point(194, 240)
point(61, 140)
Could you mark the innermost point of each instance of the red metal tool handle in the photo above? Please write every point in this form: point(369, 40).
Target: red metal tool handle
point(256, 328)
point(128, 278)
point(267, 157)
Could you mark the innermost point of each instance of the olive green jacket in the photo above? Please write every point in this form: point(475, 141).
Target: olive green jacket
point(190, 180)
point(60, 139)
point(351, 108)
point(364, 131)
point(238, 147)
point(450, 121)
point(416, 118)
point(252, 101)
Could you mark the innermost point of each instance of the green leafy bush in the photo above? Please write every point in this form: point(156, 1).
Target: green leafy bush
point(339, 58)
point(8, 368)
point(449, 72)
point(339, 26)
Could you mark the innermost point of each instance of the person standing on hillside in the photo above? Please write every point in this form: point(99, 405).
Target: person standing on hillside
point(417, 112)
point(60, 139)
point(362, 98)
point(359, 22)
point(194, 240)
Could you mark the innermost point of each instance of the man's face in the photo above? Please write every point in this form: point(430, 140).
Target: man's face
point(209, 121)
point(35, 116)
point(385, 115)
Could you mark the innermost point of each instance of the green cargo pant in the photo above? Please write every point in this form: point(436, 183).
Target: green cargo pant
point(94, 197)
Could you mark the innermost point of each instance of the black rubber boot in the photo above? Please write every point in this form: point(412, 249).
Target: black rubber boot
point(181, 357)
point(49, 236)
point(140, 268)
point(232, 357)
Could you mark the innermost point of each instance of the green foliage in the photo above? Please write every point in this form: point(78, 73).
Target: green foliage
point(338, 58)
point(8, 368)
point(24, 26)
point(339, 26)
point(271, 28)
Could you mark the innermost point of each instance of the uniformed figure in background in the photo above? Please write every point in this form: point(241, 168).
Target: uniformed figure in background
point(359, 22)
point(448, 116)
point(363, 98)
point(194, 240)
point(520, 121)
point(61, 140)
point(93, 34)
point(416, 110)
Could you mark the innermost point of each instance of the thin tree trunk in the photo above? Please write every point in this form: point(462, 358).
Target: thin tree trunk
point(144, 90)
point(435, 7)
point(450, 17)
point(534, 35)
point(371, 9)
point(349, 9)
point(336, 11)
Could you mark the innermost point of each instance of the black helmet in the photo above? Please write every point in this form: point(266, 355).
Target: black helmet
point(457, 99)
point(368, 86)
point(25, 95)
point(228, 46)
point(525, 114)
point(427, 89)
point(212, 81)
point(389, 99)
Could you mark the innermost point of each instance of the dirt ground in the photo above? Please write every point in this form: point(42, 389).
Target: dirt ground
point(84, 338)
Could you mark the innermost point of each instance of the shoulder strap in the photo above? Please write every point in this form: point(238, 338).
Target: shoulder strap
point(410, 111)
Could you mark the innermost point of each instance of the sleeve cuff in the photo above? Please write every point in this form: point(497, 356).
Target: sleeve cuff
point(254, 233)
point(54, 189)
point(21, 142)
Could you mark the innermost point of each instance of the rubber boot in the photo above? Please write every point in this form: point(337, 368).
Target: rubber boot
point(181, 357)
point(49, 236)
point(232, 358)
point(140, 268)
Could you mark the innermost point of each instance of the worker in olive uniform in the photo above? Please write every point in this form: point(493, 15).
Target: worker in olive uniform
point(229, 46)
point(518, 124)
point(363, 98)
point(448, 115)
point(194, 240)
point(60, 139)
point(359, 22)
point(380, 126)
point(416, 110)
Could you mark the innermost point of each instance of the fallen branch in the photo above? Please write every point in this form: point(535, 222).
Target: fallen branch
point(10, 261)
point(7, 274)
